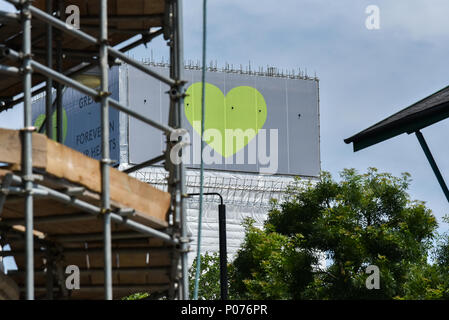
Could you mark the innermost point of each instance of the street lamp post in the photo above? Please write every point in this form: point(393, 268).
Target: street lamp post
point(222, 243)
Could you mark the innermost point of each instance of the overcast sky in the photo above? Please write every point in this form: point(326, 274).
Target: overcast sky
point(365, 75)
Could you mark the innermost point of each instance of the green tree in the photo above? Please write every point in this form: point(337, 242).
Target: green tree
point(270, 266)
point(361, 220)
point(209, 282)
point(364, 219)
point(137, 296)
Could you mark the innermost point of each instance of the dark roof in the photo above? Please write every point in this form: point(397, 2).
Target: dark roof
point(423, 113)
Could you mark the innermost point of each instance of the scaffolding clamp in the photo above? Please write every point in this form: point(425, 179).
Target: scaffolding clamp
point(103, 42)
point(29, 129)
point(105, 211)
point(184, 247)
point(25, 12)
point(102, 94)
point(26, 68)
point(28, 178)
point(75, 191)
point(107, 161)
point(126, 212)
point(174, 91)
point(180, 82)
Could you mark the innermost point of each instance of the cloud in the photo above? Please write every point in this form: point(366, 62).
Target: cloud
point(417, 19)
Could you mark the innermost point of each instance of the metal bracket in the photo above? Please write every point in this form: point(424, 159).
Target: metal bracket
point(28, 178)
point(432, 163)
point(104, 211)
point(75, 191)
point(107, 161)
point(185, 239)
point(126, 212)
point(101, 94)
point(28, 129)
point(174, 93)
point(104, 93)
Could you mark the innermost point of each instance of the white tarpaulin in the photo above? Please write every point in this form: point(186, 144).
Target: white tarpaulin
point(245, 196)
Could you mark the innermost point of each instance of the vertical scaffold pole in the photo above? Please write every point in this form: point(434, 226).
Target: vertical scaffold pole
point(49, 85)
point(27, 160)
point(178, 68)
point(177, 186)
point(105, 150)
point(59, 112)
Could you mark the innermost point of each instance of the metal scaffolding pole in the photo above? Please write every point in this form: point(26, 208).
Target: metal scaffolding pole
point(177, 171)
point(179, 68)
point(105, 161)
point(145, 164)
point(59, 112)
point(76, 251)
point(27, 163)
point(8, 70)
point(49, 84)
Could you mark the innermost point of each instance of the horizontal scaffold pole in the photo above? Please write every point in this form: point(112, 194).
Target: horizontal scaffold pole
point(15, 56)
point(100, 288)
point(166, 129)
point(87, 237)
point(75, 251)
point(129, 270)
point(145, 38)
point(140, 66)
point(145, 164)
point(10, 71)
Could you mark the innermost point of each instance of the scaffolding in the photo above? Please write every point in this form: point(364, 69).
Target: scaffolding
point(54, 55)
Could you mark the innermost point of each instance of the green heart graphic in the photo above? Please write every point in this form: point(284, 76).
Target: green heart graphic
point(40, 120)
point(243, 110)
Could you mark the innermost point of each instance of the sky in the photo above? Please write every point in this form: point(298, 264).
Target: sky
point(365, 75)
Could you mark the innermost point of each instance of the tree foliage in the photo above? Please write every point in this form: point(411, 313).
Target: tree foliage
point(209, 282)
point(361, 220)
